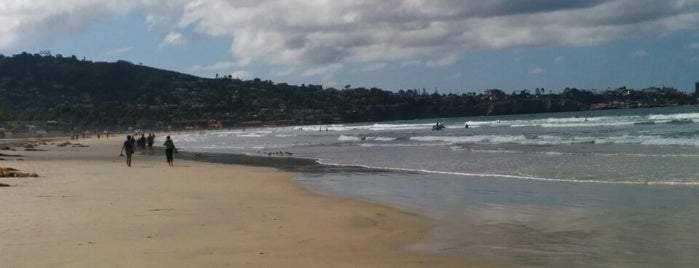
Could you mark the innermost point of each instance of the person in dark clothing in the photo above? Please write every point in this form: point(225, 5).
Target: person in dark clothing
point(142, 141)
point(151, 139)
point(169, 149)
point(129, 148)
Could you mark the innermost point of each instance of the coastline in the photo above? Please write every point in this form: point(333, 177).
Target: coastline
point(87, 208)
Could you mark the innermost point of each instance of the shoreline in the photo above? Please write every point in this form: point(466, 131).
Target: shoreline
point(88, 209)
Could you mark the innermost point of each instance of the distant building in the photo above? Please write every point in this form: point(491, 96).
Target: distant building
point(696, 88)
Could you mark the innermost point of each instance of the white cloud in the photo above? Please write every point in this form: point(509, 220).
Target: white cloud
point(537, 71)
point(312, 35)
point(172, 38)
point(26, 22)
point(243, 75)
point(559, 59)
point(318, 36)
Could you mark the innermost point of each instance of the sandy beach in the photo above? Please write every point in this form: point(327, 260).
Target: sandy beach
point(87, 209)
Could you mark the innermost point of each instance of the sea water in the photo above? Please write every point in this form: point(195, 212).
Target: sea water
point(615, 188)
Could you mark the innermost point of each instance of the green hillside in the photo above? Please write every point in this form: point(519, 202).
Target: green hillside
point(80, 94)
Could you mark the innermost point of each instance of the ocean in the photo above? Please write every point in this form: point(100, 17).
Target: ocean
point(614, 188)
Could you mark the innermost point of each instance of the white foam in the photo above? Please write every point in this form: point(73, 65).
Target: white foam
point(601, 121)
point(498, 139)
point(558, 140)
point(520, 177)
point(286, 135)
point(348, 138)
point(674, 117)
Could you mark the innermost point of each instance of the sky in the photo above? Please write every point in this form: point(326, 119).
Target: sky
point(439, 45)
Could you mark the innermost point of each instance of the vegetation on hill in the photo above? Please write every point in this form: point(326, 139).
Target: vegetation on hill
point(78, 94)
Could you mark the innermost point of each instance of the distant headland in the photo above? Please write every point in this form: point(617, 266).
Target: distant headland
point(45, 93)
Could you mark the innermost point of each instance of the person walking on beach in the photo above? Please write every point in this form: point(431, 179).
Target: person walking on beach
point(169, 149)
point(151, 139)
point(142, 141)
point(128, 148)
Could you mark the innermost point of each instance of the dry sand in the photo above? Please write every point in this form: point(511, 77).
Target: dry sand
point(87, 209)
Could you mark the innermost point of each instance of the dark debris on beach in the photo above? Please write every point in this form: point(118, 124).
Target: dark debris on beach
point(7, 172)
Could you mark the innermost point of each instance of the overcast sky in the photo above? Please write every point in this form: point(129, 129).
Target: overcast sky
point(443, 45)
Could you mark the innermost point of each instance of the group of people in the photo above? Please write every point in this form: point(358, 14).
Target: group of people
point(143, 140)
point(130, 144)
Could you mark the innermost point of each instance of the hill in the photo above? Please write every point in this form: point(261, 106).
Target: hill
point(71, 94)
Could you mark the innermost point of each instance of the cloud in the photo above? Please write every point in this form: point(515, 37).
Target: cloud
point(312, 35)
point(27, 22)
point(559, 59)
point(411, 63)
point(694, 45)
point(444, 61)
point(374, 67)
point(320, 37)
point(172, 38)
point(325, 71)
point(241, 75)
point(537, 71)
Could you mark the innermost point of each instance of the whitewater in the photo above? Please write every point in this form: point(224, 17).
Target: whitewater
point(623, 146)
point(594, 188)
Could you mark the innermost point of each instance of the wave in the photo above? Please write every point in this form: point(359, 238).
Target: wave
point(680, 121)
point(579, 121)
point(601, 121)
point(590, 154)
point(670, 117)
point(380, 127)
point(551, 122)
point(251, 135)
point(345, 138)
point(558, 122)
point(365, 127)
point(510, 176)
point(587, 124)
point(503, 139)
point(398, 145)
point(558, 140)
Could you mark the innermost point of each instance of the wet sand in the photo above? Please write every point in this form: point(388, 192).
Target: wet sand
point(87, 209)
